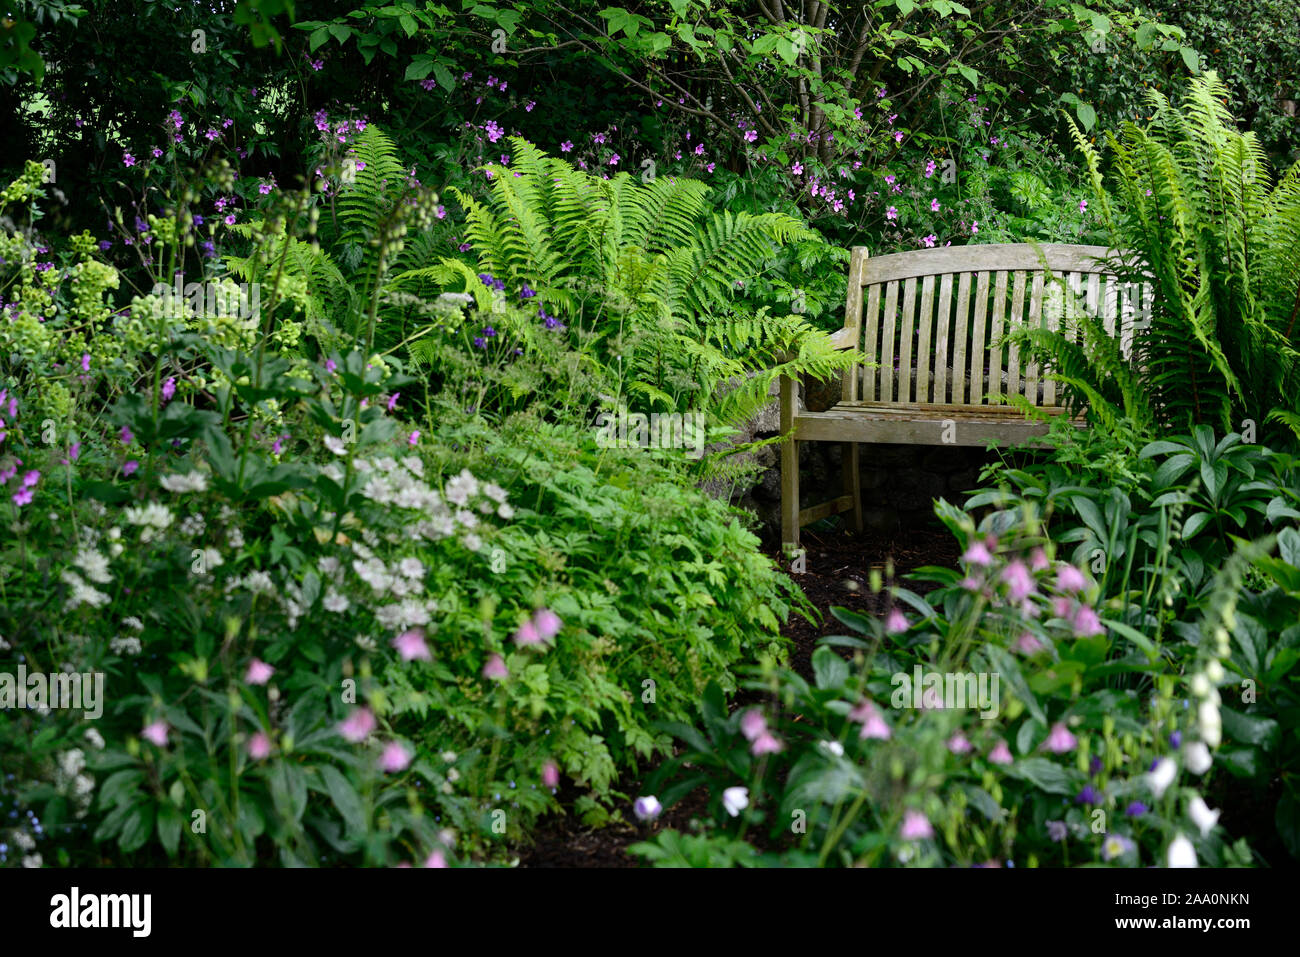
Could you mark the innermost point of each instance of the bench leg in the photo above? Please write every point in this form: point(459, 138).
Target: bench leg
point(789, 466)
point(790, 493)
point(853, 482)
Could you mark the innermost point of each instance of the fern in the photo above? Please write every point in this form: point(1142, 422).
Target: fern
point(1220, 245)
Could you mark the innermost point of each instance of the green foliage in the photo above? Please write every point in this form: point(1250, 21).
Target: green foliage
point(1220, 245)
point(649, 275)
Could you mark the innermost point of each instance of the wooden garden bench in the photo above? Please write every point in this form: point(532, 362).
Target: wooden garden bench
point(937, 374)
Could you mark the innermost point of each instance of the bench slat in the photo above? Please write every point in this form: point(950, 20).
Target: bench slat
point(924, 321)
point(995, 334)
point(941, 340)
point(887, 343)
point(872, 317)
point(907, 342)
point(959, 340)
point(917, 263)
point(1015, 318)
point(1034, 321)
point(978, 351)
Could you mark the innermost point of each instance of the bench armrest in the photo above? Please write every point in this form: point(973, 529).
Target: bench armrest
point(844, 339)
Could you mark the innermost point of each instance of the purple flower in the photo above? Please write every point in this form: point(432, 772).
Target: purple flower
point(1176, 740)
point(85, 362)
point(155, 732)
point(358, 725)
point(128, 159)
point(169, 389)
point(1019, 581)
point(258, 673)
point(1136, 809)
point(916, 826)
point(392, 401)
point(1056, 831)
point(1070, 579)
point(495, 668)
point(22, 497)
point(126, 435)
point(259, 746)
point(547, 622)
point(1089, 795)
point(978, 554)
point(527, 635)
point(411, 646)
point(130, 467)
point(394, 758)
point(1086, 623)
point(1001, 754)
point(896, 622)
point(566, 146)
point(646, 808)
point(752, 724)
point(1060, 739)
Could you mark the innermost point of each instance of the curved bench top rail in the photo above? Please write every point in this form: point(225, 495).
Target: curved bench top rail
point(992, 257)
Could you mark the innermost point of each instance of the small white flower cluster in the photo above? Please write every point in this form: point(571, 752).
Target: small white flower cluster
point(82, 593)
point(193, 526)
point(129, 645)
point(191, 482)
point(93, 565)
point(153, 518)
point(70, 777)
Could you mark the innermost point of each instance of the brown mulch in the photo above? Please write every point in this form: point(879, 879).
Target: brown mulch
point(838, 568)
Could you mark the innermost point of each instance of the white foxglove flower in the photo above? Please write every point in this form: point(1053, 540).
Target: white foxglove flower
point(1181, 853)
point(1200, 686)
point(1198, 757)
point(95, 738)
point(1161, 776)
point(1214, 671)
point(1201, 815)
point(735, 800)
point(335, 445)
point(1211, 725)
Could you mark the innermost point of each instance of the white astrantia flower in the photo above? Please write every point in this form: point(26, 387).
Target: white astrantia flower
point(385, 463)
point(1197, 756)
point(1201, 815)
point(4, 645)
point(414, 465)
point(472, 542)
point(94, 565)
point(190, 482)
point(212, 558)
point(335, 445)
point(495, 492)
point(259, 582)
point(466, 519)
point(235, 537)
point(364, 643)
point(334, 602)
point(411, 567)
point(334, 472)
point(505, 511)
point(460, 489)
point(33, 861)
point(1161, 776)
point(125, 646)
point(735, 800)
point(329, 566)
point(95, 738)
point(83, 784)
point(82, 594)
point(193, 525)
point(1181, 852)
point(130, 621)
point(24, 841)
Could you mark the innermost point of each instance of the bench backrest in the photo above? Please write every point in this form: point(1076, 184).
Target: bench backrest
point(933, 319)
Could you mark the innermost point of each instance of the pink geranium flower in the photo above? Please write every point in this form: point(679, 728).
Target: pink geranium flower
point(394, 758)
point(156, 732)
point(259, 672)
point(411, 646)
point(916, 826)
point(495, 669)
point(358, 725)
point(259, 746)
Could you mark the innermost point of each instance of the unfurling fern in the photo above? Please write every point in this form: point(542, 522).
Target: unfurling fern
point(1220, 245)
